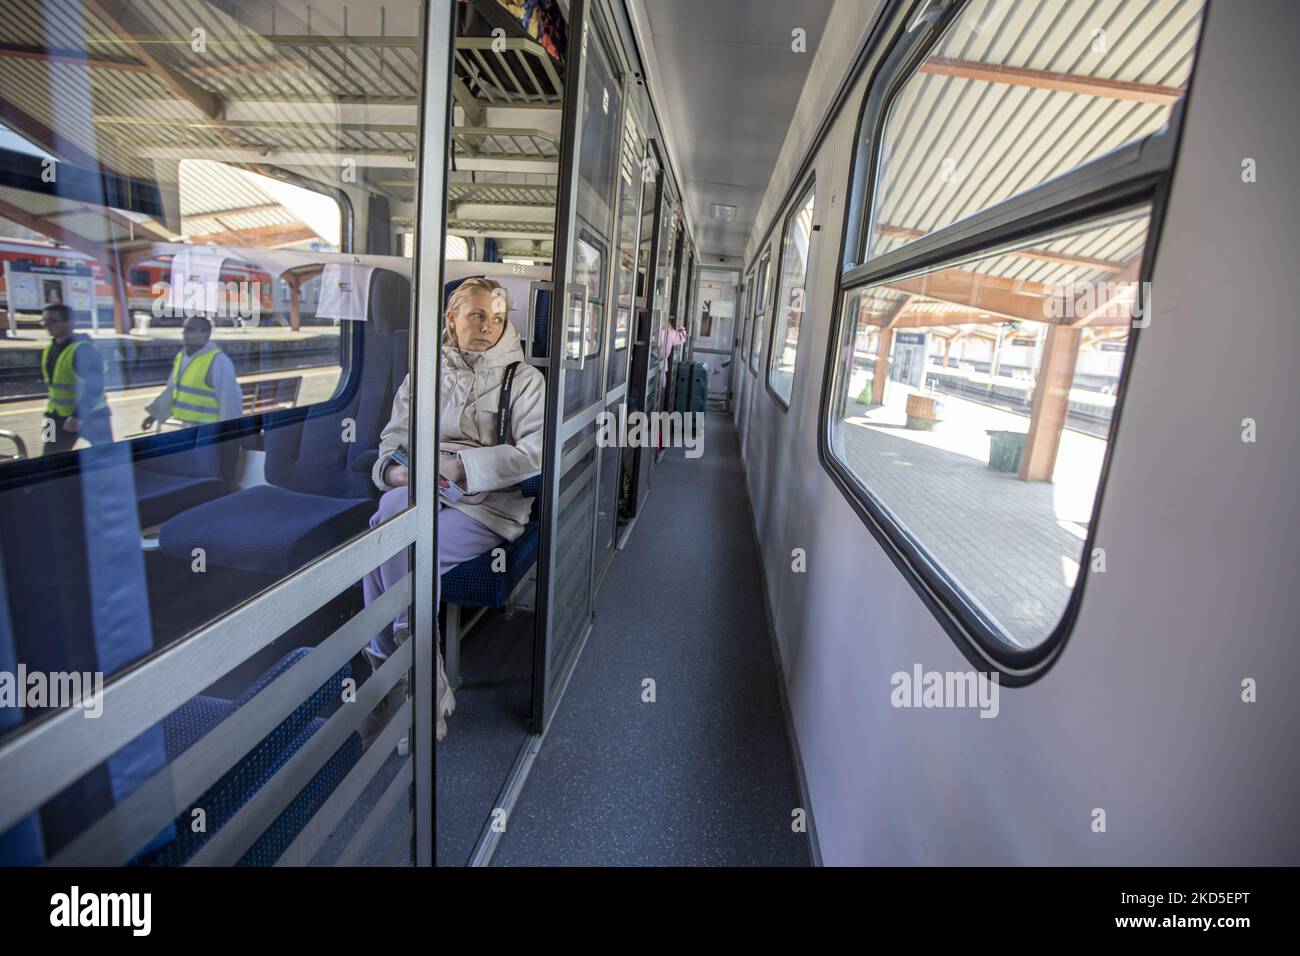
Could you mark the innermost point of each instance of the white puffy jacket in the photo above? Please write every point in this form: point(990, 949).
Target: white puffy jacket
point(471, 395)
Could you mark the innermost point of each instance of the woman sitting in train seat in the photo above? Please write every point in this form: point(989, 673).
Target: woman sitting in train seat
point(482, 459)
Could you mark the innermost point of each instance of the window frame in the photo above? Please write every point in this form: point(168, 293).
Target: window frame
point(747, 303)
point(762, 270)
point(809, 191)
point(1136, 174)
point(747, 354)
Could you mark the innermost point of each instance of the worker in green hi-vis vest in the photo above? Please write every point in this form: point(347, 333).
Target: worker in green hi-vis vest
point(73, 371)
point(202, 387)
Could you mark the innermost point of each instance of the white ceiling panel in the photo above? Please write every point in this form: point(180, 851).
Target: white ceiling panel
point(730, 82)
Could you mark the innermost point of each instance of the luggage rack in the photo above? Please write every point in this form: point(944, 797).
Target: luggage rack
point(501, 228)
point(493, 142)
point(491, 74)
point(493, 71)
point(506, 194)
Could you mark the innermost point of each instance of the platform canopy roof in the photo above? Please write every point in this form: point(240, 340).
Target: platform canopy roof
point(1013, 96)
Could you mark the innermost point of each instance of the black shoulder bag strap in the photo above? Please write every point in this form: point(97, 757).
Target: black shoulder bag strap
point(503, 410)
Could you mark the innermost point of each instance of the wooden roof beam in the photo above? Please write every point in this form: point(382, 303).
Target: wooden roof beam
point(1017, 299)
point(147, 229)
point(17, 51)
point(1107, 303)
point(112, 14)
point(896, 311)
point(1049, 80)
point(73, 240)
point(263, 237)
point(55, 143)
point(236, 211)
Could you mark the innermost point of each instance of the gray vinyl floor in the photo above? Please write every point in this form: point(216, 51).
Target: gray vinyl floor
point(704, 774)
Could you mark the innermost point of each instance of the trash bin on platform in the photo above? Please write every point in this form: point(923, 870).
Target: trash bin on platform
point(1005, 450)
point(922, 412)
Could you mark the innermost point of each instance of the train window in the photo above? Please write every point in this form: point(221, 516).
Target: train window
point(1014, 94)
point(795, 243)
point(220, 349)
point(973, 390)
point(457, 248)
point(760, 312)
point(983, 436)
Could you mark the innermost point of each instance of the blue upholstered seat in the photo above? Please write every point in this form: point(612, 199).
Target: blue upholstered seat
point(274, 530)
point(541, 315)
point(474, 583)
point(222, 800)
point(197, 466)
point(280, 834)
point(542, 323)
point(160, 495)
point(314, 498)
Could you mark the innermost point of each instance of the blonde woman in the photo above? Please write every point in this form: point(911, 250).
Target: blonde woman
point(479, 346)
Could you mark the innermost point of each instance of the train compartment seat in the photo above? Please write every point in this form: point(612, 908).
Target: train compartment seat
point(199, 466)
point(474, 583)
point(314, 497)
point(201, 715)
point(525, 294)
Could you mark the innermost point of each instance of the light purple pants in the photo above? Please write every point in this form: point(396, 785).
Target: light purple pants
point(460, 538)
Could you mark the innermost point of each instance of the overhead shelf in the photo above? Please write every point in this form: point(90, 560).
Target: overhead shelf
point(510, 194)
point(492, 77)
point(491, 142)
point(500, 228)
point(495, 71)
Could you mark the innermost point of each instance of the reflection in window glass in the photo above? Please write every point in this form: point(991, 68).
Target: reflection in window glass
point(206, 289)
point(789, 300)
point(629, 220)
point(588, 268)
point(176, 294)
point(974, 405)
point(1015, 94)
point(182, 269)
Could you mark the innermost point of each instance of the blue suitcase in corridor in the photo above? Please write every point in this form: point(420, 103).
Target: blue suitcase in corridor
point(691, 388)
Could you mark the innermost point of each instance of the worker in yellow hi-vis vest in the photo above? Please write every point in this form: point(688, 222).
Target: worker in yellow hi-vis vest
point(73, 371)
point(202, 387)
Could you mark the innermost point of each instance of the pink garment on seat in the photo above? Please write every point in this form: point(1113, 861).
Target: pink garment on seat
point(669, 339)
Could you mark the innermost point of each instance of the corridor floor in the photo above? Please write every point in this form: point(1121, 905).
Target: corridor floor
point(702, 776)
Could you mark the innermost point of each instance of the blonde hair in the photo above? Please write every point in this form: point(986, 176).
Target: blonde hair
point(462, 295)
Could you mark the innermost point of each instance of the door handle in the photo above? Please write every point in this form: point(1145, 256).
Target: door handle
point(572, 291)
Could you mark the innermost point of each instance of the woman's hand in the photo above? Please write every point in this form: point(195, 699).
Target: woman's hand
point(396, 476)
point(453, 469)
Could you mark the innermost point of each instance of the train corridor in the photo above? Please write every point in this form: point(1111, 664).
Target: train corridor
point(703, 774)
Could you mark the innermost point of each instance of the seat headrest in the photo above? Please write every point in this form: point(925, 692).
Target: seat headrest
point(390, 301)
